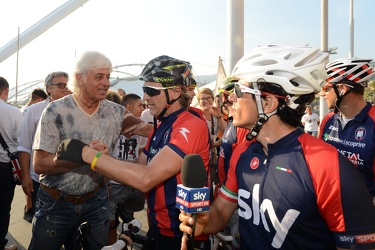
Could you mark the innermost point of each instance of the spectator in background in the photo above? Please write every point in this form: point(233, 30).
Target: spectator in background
point(350, 128)
point(310, 121)
point(146, 116)
point(10, 125)
point(218, 101)
point(113, 97)
point(191, 92)
point(127, 149)
point(211, 113)
point(215, 124)
point(133, 103)
point(37, 95)
point(72, 193)
point(56, 87)
point(121, 92)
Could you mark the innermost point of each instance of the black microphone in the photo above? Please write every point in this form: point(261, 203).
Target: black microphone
point(192, 195)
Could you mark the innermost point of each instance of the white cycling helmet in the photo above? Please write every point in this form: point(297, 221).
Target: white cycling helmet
point(355, 70)
point(298, 70)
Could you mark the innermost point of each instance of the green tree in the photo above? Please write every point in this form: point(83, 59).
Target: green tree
point(370, 92)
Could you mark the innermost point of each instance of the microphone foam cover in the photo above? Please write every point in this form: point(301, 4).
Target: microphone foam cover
point(193, 171)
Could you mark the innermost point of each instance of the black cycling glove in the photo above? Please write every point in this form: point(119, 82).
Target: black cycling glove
point(71, 150)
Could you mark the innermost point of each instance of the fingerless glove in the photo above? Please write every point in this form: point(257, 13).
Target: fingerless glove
point(71, 150)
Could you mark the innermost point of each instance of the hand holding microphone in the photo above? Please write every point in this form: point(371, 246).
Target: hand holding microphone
point(192, 196)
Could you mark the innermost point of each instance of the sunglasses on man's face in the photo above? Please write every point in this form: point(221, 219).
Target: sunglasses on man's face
point(60, 85)
point(327, 87)
point(240, 89)
point(154, 91)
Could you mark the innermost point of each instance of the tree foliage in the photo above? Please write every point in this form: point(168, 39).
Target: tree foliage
point(370, 92)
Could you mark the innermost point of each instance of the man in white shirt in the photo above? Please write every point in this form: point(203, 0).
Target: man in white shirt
point(56, 87)
point(10, 124)
point(310, 121)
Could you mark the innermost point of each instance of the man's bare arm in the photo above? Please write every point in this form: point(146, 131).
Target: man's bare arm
point(27, 182)
point(145, 131)
point(165, 164)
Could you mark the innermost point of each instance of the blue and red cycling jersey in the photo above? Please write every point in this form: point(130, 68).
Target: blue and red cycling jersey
point(197, 112)
point(232, 136)
point(185, 134)
point(355, 140)
point(303, 194)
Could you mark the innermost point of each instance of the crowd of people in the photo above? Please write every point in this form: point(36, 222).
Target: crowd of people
point(279, 177)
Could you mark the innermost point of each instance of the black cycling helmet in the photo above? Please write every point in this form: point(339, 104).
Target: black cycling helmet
point(168, 71)
point(193, 82)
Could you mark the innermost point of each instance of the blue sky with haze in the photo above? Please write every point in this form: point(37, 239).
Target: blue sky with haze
point(130, 31)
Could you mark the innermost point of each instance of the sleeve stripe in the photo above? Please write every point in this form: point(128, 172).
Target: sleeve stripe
point(228, 195)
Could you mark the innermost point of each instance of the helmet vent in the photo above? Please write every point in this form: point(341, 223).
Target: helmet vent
point(265, 63)
point(294, 83)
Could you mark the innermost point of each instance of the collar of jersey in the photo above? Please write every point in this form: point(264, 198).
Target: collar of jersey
point(171, 116)
point(284, 142)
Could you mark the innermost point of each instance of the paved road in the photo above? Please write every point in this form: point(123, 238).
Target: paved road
point(20, 230)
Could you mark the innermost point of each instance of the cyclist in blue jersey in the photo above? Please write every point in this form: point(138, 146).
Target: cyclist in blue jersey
point(291, 190)
point(350, 127)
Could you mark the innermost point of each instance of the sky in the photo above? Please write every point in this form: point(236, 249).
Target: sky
point(131, 32)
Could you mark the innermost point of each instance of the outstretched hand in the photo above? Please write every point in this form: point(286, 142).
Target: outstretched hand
point(215, 111)
point(71, 150)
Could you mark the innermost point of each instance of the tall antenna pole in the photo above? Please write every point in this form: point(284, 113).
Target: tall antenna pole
point(323, 109)
point(351, 25)
point(18, 49)
point(235, 29)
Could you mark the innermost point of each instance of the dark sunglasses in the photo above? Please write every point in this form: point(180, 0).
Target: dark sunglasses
point(237, 91)
point(154, 91)
point(327, 87)
point(60, 85)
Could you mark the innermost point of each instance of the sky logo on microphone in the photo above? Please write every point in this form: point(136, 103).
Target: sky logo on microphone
point(192, 200)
